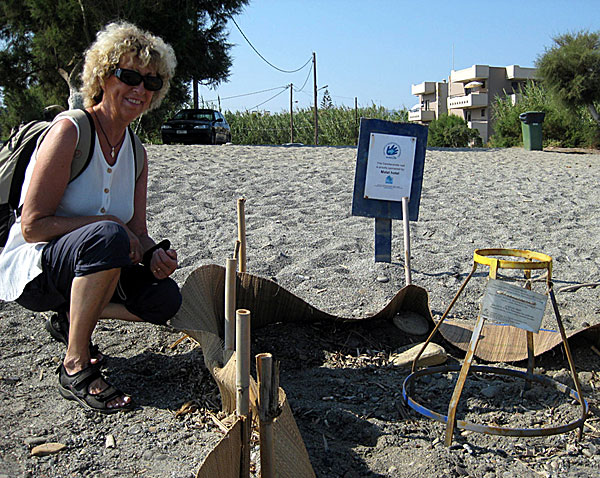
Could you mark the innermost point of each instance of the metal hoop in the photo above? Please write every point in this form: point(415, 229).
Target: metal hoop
point(491, 430)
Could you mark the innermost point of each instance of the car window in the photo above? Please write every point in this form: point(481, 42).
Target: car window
point(194, 115)
point(181, 115)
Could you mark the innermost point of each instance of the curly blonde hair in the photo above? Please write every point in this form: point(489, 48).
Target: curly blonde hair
point(121, 39)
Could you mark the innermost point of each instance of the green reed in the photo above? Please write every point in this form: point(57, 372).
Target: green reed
point(338, 126)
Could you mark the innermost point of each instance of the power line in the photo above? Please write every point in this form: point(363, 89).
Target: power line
point(272, 97)
point(305, 81)
point(253, 93)
point(263, 58)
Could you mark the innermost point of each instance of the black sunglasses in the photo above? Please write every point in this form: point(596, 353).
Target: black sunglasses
point(133, 78)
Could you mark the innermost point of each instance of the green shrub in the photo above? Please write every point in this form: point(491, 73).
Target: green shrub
point(561, 127)
point(450, 131)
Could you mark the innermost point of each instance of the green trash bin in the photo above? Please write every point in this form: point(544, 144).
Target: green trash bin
point(531, 126)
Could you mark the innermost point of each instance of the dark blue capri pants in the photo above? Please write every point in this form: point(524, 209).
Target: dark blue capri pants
point(93, 248)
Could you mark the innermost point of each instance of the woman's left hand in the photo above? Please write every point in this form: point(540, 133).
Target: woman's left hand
point(163, 263)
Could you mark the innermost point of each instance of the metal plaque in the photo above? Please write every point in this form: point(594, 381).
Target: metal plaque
point(509, 304)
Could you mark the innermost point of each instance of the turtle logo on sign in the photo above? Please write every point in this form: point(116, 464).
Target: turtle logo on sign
point(392, 150)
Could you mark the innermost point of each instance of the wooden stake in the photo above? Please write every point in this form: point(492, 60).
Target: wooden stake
point(405, 221)
point(230, 306)
point(241, 234)
point(268, 403)
point(242, 347)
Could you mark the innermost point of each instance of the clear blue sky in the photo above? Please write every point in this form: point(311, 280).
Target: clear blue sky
point(374, 50)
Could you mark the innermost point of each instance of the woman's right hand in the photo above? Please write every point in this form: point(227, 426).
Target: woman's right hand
point(136, 251)
point(135, 247)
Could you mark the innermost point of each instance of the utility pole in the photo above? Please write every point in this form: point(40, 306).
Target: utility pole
point(291, 113)
point(316, 105)
point(194, 80)
point(356, 118)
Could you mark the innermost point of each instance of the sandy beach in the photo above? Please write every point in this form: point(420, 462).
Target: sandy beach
point(301, 234)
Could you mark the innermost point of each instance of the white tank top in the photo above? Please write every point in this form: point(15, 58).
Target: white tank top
point(100, 189)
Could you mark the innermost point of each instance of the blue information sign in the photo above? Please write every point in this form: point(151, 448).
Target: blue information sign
point(391, 208)
point(389, 165)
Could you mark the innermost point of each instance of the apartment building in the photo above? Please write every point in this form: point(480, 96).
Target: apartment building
point(433, 101)
point(470, 94)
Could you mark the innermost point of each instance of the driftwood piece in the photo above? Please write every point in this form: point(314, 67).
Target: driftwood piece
point(433, 354)
point(576, 287)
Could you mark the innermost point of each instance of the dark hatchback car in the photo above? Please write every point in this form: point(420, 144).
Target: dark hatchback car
point(196, 126)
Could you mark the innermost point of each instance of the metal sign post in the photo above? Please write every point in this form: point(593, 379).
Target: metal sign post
point(388, 179)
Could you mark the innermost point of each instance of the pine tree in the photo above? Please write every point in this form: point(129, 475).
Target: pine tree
point(326, 103)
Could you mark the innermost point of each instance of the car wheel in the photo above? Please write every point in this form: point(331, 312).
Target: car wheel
point(166, 141)
point(213, 138)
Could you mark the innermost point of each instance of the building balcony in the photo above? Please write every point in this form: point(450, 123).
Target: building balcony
point(474, 100)
point(425, 88)
point(516, 72)
point(476, 72)
point(421, 115)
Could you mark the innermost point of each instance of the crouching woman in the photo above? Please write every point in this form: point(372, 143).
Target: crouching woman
point(78, 244)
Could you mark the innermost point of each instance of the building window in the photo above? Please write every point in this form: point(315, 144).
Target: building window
point(426, 105)
point(482, 84)
point(483, 113)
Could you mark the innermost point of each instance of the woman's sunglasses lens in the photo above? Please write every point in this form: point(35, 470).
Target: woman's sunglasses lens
point(133, 78)
point(129, 77)
point(153, 83)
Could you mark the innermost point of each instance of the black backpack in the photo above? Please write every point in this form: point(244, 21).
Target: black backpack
point(16, 153)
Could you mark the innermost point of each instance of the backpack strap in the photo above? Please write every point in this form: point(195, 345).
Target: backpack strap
point(138, 153)
point(84, 150)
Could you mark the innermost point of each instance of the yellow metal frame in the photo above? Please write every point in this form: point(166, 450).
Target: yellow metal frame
point(490, 257)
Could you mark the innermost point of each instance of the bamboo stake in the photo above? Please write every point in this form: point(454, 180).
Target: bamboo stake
point(242, 347)
point(230, 306)
point(268, 404)
point(241, 234)
point(406, 223)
